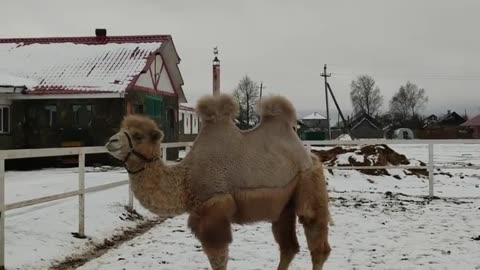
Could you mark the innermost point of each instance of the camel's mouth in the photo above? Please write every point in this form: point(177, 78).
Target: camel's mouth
point(114, 147)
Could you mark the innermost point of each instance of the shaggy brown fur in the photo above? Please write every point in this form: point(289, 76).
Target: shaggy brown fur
point(232, 176)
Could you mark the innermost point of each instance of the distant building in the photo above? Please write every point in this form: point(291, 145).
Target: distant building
point(315, 121)
point(474, 125)
point(448, 126)
point(363, 126)
point(313, 127)
point(451, 119)
point(189, 124)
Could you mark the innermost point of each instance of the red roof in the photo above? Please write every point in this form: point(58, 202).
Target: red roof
point(73, 65)
point(475, 121)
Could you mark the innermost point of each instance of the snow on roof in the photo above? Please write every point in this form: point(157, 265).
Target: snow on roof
point(314, 115)
point(7, 80)
point(77, 65)
point(186, 107)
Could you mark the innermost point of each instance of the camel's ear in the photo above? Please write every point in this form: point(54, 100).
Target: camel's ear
point(156, 135)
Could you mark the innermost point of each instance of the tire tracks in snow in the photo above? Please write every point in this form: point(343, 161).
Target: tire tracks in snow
point(97, 250)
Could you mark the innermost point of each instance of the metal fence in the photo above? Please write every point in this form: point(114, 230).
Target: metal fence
point(430, 165)
point(81, 152)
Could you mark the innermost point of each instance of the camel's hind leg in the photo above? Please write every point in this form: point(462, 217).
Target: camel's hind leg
point(317, 239)
point(211, 224)
point(313, 212)
point(286, 237)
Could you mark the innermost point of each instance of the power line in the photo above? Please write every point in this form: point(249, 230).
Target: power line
point(419, 76)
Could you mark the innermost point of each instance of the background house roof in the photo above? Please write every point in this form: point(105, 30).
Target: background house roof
point(72, 65)
point(360, 117)
point(475, 121)
point(314, 115)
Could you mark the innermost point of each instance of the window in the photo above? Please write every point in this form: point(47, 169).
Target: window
point(5, 119)
point(138, 108)
point(82, 115)
point(171, 117)
point(154, 106)
point(47, 116)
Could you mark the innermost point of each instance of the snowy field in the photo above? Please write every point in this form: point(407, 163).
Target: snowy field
point(380, 222)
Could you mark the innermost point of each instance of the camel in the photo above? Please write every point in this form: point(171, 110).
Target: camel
point(231, 176)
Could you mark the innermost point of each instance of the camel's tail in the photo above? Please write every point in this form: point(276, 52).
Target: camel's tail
point(277, 107)
point(215, 108)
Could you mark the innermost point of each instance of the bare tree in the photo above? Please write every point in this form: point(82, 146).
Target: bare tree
point(365, 95)
point(408, 101)
point(247, 94)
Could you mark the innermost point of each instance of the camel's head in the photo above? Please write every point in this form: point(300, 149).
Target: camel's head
point(139, 136)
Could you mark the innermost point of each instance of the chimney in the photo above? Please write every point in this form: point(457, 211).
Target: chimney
point(448, 111)
point(101, 32)
point(216, 73)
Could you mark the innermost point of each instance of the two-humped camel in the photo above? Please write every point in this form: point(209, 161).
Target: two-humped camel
point(232, 176)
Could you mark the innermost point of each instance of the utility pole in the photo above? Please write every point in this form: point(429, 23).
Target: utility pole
point(325, 75)
point(261, 90)
point(216, 73)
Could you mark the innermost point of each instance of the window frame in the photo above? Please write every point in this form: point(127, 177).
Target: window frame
point(2, 108)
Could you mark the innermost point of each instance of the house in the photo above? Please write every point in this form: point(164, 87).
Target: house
point(451, 119)
point(474, 125)
point(189, 124)
point(363, 126)
point(315, 121)
point(447, 126)
point(74, 91)
point(313, 127)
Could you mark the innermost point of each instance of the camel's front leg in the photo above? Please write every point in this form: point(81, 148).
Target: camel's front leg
point(218, 257)
point(211, 224)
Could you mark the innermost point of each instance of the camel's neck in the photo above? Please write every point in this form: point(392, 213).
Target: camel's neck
point(160, 188)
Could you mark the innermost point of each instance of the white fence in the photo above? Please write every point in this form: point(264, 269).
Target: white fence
point(83, 151)
point(55, 152)
point(430, 166)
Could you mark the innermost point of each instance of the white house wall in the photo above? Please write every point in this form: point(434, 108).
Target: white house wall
point(164, 84)
point(190, 122)
point(145, 80)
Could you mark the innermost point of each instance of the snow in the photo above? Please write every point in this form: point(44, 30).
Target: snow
point(344, 137)
point(10, 80)
point(373, 230)
point(44, 231)
point(105, 67)
point(314, 115)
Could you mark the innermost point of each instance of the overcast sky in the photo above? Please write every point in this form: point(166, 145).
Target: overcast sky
point(433, 43)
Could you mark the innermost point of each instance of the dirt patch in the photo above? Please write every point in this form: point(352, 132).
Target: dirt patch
point(98, 249)
point(369, 155)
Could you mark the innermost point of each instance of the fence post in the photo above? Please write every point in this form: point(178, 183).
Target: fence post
point(130, 196)
point(2, 214)
point(430, 169)
point(164, 153)
point(81, 196)
point(309, 148)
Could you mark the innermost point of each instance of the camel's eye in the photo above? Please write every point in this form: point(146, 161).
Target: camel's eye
point(137, 136)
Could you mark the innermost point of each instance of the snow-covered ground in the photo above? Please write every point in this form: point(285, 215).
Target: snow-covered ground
point(373, 230)
point(40, 234)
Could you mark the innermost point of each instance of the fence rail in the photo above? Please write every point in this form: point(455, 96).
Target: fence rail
point(430, 166)
point(81, 152)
